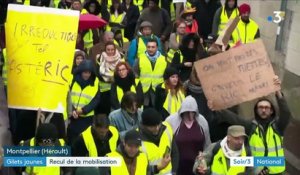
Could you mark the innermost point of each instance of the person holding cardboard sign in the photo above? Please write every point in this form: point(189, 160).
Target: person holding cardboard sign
point(266, 130)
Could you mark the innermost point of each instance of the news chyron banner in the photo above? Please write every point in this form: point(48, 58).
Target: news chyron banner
point(52, 156)
point(40, 48)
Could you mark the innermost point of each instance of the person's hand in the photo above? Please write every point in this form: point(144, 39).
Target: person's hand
point(277, 84)
point(79, 111)
point(164, 162)
point(201, 170)
point(188, 64)
point(75, 115)
point(264, 171)
point(210, 105)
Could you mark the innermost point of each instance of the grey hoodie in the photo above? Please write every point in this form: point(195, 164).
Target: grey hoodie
point(189, 104)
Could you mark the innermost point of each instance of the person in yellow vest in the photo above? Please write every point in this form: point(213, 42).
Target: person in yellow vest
point(133, 161)
point(79, 56)
point(216, 158)
point(246, 30)
point(137, 46)
point(128, 116)
point(124, 81)
point(150, 67)
point(97, 140)
point(158, 17)
point(169, 94)
point(95, 8)
point(117, 16)
point(85, 96)
point(158, 143)
point(46, 135)
point(267, 129)
point(225, 13)
point(175, 39)
point(105, 66)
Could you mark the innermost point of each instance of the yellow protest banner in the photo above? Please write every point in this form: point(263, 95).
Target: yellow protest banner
point(40, 49)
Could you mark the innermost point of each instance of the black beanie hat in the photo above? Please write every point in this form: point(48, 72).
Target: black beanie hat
point(169, 72)
point(133, 137)
point(46, 131)
point(150, 117)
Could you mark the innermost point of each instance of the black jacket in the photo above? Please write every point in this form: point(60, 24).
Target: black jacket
point(132, 15)
point(160, 98)
point(146, 136)
point(205, 15)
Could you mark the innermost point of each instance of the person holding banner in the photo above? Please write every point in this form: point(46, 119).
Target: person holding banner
point(85, 96)
point(267, 129)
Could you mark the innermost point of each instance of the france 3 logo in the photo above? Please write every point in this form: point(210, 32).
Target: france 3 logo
point(277, 17)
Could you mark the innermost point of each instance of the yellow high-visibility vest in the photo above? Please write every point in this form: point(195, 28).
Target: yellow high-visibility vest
point(43, 170)
point(224, 18)
point(90, 142)
point(155, 153)
point(116, 19)
point(139, 4)
point(120, 92)
point(141, 164)
point(88, 40)
point(27, 2)
point(141, 49)
point(82, 97)
point(219, 164)
point(272, 142)
point(104, 86)
point(151, 77)
point(4, 68)
point(173, 103)
point(244, 32)
point(170, 54)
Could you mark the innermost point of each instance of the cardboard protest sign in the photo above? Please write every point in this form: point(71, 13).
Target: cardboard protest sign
point(237, 75)
point(40, 49)
point(225, 35)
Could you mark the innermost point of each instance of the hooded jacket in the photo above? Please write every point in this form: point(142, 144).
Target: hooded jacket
point(86, 65)
point(189, 104)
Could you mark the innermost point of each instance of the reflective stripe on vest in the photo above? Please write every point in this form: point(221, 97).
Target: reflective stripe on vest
point(104, 87)
point(4, 68)
point(90, 142)
point(151, 77)
point(173, 102)
point(43, 170)
point(224, 18)
point(141, 164)
point(82, 97)
point(120, 92)
point(219, 165)
point(170, 54)
point(245, 32)
point(155, 153)
point(274, 143)
point(88, 40)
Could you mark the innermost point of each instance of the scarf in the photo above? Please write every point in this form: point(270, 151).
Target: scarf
point(154, 57)
point(83, 83)
point(107, 65)
point(227, 151)
point(125, 83)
